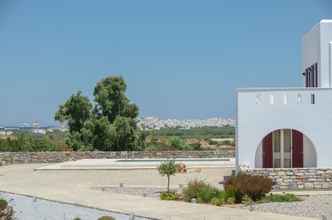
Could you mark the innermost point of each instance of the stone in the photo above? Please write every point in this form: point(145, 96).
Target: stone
point(300, 186)
point(325, 185)
point(308, 185)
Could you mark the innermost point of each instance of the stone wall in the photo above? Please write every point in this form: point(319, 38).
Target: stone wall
point(55, 157)
point(298, 178)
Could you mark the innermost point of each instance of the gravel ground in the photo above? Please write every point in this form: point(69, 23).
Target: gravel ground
point(312, 206)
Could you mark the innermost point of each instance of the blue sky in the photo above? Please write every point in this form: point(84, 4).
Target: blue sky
point(181, 59)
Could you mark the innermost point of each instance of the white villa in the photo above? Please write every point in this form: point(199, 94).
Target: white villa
point(291, 127)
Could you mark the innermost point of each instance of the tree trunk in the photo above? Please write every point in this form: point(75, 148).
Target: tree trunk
point(168, 183)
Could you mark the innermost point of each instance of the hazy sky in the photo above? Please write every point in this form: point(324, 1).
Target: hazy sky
point(181, 59)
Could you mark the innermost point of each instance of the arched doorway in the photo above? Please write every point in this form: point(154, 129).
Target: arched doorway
point(286, 148)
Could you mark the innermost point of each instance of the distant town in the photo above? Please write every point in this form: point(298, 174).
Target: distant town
point(154, 123)
point(146, 123)
point(33, 127)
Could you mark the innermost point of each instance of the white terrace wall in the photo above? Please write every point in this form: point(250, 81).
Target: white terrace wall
point(56, 157)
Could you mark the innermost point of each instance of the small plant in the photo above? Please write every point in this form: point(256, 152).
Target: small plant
point(77, 218)
point(168, 196)
point(207, 193)
point(192, 189)
point(246, 200)
point(168, 169)
point(217, 201)
point(106, 218)
point(203, 192)
point(231, 200)
point(3, 204)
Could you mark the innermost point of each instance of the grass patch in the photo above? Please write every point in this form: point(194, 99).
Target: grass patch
point(171, 196)
point(286, 197)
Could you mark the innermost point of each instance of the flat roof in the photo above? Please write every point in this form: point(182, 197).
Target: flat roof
point(280, 89)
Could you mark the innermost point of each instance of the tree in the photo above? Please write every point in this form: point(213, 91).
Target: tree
point(109, 124)
point(168, 169)
point(75, 111)
point(98, 133)
point(111, 100)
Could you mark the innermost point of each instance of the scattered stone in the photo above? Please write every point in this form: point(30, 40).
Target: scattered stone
point(312, 206)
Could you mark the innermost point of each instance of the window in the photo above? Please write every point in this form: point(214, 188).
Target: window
point(299, 99)
point(285, 99)
point(276, 144)
point(287, 154)
point(311, 76)
point(282, 148)
point(276, 141)
point(271, 99)
point(312, 98)
point(258, 99)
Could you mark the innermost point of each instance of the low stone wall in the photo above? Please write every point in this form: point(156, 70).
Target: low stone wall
point(298, 178)
point(55, 157)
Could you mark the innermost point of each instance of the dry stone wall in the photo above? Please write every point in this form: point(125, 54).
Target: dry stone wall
point(55, 157)
point(298, 178)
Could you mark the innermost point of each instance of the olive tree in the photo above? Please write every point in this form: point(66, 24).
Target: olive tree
point(167, 168)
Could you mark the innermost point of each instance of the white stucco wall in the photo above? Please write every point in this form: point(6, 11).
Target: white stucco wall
point(311, 53)
point(316, 49)
point(257, 119)
point(309, 153)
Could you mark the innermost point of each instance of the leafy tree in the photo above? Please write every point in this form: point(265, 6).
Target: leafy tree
point(111, 100)
point(168, 169)
point(108, 125)
point(76, 111)
point(99, 133)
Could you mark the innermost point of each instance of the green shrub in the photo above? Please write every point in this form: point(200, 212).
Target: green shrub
point(192, 189)
point(168, 196)
point(232, 194)
point(106, 218)
point(254, 186)
point(201, 191)
point(3, 204)
point(207, 193)
point(77, 218)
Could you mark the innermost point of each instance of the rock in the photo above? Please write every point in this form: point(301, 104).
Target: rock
point(308, 185)
point(7, 213)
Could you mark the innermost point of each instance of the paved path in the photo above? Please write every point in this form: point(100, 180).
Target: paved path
point(76, 187)
point(138, 164)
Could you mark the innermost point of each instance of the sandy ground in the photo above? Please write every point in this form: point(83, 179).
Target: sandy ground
point(77, 187)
